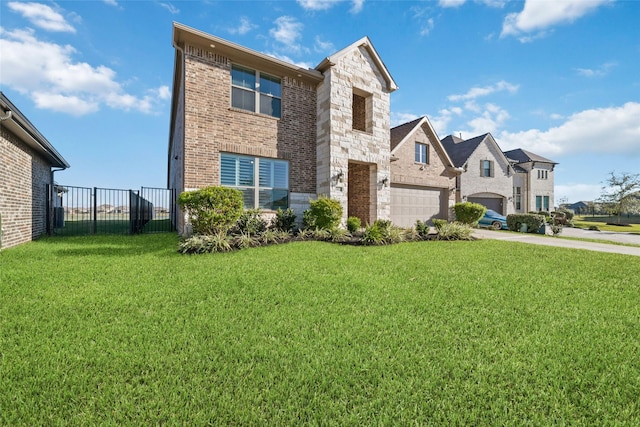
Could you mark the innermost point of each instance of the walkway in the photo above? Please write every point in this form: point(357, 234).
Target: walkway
point(537, 239)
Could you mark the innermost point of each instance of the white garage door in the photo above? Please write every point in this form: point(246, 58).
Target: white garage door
point(493, 203)
point(409, 203)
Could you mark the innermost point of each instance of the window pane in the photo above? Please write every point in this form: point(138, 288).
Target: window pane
point(270, 85)
point(228, 169)
point(274, 199)
point(266, 173)
point(243, 99)
point(244, 77)
point(270, 105)
point(248, 196)
point(281, 174)
point(245, 171)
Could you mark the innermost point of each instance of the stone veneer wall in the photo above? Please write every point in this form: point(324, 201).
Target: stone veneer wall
point(338, 142)
point(23, 178)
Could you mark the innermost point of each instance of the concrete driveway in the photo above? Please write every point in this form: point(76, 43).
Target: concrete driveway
point(538, 239)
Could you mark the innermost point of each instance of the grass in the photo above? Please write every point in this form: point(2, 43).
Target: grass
point(123, 330)
point(632, 223)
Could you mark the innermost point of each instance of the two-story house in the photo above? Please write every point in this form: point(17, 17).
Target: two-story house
point(486, 175)
point(280, 133)
point(532, 182)
point(422, 174)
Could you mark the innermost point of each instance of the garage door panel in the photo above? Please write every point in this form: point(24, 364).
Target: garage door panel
point(409, 204)
point(494, 203)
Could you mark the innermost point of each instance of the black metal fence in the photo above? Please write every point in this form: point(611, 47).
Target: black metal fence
point(84, 210)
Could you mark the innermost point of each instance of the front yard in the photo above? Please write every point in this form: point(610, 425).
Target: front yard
point(124, 330)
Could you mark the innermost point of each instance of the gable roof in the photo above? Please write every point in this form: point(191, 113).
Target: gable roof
point(523, 156)
point(364, 42)
point(461, 149)
point(401, 133)
point(17, 123)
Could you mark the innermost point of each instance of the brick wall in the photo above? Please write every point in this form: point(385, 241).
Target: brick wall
point(359, 192)
point(23, 178)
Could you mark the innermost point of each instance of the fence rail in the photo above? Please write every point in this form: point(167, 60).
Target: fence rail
point(83, 210)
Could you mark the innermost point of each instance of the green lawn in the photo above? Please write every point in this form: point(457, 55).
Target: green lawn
point(632, 223)
point(122, 330)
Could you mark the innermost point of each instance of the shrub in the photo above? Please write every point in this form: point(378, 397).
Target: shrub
point(353, 224)
point(533, 221)
point(594, 228)
point(439, 223)
point(212, 210)
point(323, 213)
point(569, 214)
point(285, 220)
point(205, 243)
point(455, 231)
point(372, 235)
point(245, 240)
point(338, 235)
point(251, 222)
point(422, 228)
point(469, 213)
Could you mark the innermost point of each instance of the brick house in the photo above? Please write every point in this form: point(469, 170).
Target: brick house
point(422, 174)
point(280, 133)
point(27, 160)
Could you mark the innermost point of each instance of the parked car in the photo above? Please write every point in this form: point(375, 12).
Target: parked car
point(493, 219)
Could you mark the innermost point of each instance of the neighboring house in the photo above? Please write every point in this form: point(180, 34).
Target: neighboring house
point(533, 181)
point(27, 160)
point(422, 174)
point(581, 207)
point(280, 133)
point(486, 175)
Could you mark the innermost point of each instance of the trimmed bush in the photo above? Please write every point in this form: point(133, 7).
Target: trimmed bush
point(533, 221)
point(323, 213)
point(212, 210)
point(285, 220)
point(353, 224)
point(469, 213)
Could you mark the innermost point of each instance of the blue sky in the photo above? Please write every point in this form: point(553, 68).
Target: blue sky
point(559, 78)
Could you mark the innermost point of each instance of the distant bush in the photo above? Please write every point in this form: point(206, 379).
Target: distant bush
point(594, 228)
point(353, 224)
point(469, 213)
point(212, 210)
point(533, 221)
point(323, 213)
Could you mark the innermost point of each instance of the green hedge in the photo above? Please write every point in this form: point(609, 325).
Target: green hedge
point(469, 213)
point(533, 221)
point(212, 210)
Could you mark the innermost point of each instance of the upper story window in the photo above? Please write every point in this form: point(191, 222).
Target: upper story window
point(422, 153)
point(254, 91)
point(361, 111)
point(486, 168)
point(543, 174)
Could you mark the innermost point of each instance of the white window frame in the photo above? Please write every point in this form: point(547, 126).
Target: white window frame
point(423, 149)
point(257, 90)
point(483, 169)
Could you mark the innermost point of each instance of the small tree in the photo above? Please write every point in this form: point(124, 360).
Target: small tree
point(212, 210)
point(621, 193)
point(323, 213)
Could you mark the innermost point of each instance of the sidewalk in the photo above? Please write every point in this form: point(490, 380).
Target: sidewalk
point(537, 239)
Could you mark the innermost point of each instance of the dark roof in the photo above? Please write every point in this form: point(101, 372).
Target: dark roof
point(460, 150)
point(17, 123)
point(523, 156)
point(398, 133)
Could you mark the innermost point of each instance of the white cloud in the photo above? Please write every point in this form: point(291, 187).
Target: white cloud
point(55, 81)
point(612, 130)
point(171, 8)
point(491, 119)
point(356, 5)
point(287, 31)
point(451, 3)
point(111, 2)
point(244, 27)
point(285, 58)
point(427, 27)
point(398, 119)
point(323, 46)
point(539, 15)
point(42, 16)
point(477, 92)
point(602, 70)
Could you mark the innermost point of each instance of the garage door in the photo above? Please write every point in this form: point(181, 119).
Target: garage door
point(409, 203)
point(494, 203)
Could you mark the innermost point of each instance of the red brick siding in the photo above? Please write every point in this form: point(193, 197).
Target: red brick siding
point(358, 192)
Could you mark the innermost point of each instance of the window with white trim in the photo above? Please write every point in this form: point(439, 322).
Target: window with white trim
point(543, 174)
point(517, 196)
point(264, 182)
point(422, 153)
point(254, 91)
